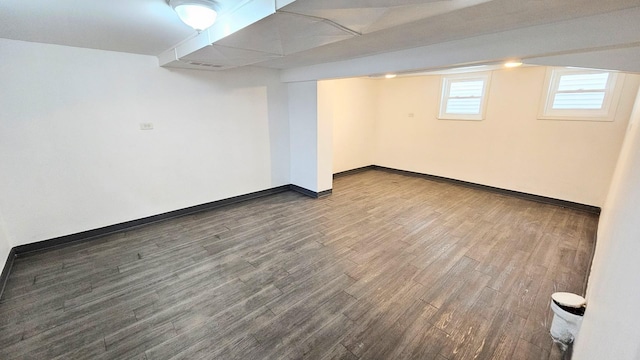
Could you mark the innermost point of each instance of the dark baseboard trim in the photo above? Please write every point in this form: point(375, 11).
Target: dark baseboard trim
point(585, 285)
point(518, 194)
point(27, 249)
point(309, 193)
point(89, 235)
point(7, 270)
point(354, 171)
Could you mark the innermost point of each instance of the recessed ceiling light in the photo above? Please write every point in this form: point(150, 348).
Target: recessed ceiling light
point(199, 14)
point(512, 64)
point(390, 76)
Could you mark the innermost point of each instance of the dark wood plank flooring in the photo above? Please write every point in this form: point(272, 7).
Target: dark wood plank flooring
point(388, 267)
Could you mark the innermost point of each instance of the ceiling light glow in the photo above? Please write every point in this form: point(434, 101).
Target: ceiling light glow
point(390, 76)
point(512, 64)
point(199, 14)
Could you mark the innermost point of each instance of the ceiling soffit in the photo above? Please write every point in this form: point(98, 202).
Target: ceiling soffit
point(304, 25)
point(308, 32)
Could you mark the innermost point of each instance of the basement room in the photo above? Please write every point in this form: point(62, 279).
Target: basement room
point(319, 179)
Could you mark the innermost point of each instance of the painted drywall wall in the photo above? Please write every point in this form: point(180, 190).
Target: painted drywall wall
point(350, 105)
point(73, 157)
point(325, 147)
point(610, 326)
point(311, 138)
point(511, 148)
point(5, 245)
point(303, 130)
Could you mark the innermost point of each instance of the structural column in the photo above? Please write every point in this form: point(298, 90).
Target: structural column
point(310, 140)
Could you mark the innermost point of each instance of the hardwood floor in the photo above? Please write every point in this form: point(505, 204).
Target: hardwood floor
point(388, 267)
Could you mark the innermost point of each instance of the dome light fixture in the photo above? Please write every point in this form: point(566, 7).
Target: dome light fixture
point(199, 14)
point(513, 64)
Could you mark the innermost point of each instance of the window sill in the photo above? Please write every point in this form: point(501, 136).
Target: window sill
point(459, 117)
point(576, 118)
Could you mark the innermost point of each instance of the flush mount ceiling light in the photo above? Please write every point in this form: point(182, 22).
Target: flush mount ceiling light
point(390, 76)
point(199, 14)
point(512, 64)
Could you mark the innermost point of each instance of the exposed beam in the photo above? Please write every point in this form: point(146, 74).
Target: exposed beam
point(610, 31)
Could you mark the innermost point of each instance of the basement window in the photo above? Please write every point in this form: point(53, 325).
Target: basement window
point(464, 96)
point(580, 94)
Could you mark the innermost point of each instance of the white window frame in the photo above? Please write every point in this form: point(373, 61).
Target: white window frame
point(447, 80)
point(550, 89)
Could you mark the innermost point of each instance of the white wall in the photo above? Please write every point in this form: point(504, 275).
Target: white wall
point(511, 148)
point(325, 149)
point(303, 130)
point(610, 327)
point(73, 157)
point(350, 105)
point(5, 245)
point(311, 133)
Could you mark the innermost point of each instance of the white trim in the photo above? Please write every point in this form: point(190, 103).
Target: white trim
point(550, 89)
point(444, 97)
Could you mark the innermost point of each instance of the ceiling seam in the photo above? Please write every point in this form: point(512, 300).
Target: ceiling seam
point(326, 21)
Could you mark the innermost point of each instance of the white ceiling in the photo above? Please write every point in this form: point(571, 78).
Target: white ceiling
point(484, 18)
point(302, 33)
point(137, 26)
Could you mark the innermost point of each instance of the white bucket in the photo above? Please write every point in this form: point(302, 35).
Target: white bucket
point(568, 310)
